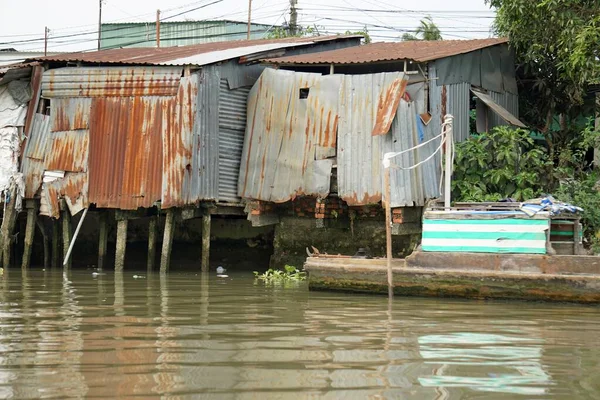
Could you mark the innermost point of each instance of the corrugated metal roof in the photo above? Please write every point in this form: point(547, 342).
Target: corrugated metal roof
point(32, 164)
point(110, 81)
point(185, 54)
point(68, 151)
point(498, 109)
point(125, 164)
point(73, 188)
point(282, 135)
point(418, 50)
point(69, 114)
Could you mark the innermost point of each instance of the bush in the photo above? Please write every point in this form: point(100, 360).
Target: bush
point(503, 163)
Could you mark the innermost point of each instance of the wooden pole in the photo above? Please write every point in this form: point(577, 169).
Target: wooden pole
point(103, 239)
point(206, 222)
point(67, 232)
point(46, 241)
point(121, 244)
point(29, 232)
point(8, 225)
point(448, 161)
point(46, 30)
point(99, 22)
point(74, 238)
point(152, 236)
point(165, 256)
point(158, 28)
point(55, 243)
point(388, 230)
point(249, 18)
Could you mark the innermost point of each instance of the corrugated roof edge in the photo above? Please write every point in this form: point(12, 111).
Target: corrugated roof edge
point(186, 22)
point(419, 51)
point(163, 55)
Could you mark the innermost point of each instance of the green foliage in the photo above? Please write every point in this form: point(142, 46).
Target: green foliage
point(427, 30)
point(557, 52)
point(280, 32)
point(364, 32)
point(276, 276)
point(584, 193)
point(503, 163)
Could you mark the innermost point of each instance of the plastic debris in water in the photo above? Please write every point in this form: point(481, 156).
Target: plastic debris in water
point(222, 276)
point(138, 277)
point(220, 270)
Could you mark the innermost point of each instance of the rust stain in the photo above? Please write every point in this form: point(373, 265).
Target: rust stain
point(444, 103)
point(367, 199)
point(68, 151)
point(387, 106)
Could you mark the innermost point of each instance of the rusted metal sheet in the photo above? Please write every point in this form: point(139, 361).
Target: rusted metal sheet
point(69, 114)
point(36, 85)
point(126, 153)
point(387, 106)
point(359, 154)
point(178, 149)
point(289, 116)
point(33, 162)
point(68, 151)
point(111, 81)
point(73, 188)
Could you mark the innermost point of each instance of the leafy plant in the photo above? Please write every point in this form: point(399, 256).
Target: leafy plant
point(503, 163)
point(427, 30)
point(288, 274)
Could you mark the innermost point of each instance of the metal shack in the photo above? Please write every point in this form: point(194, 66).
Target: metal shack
point(319, 124)
point(145, 129)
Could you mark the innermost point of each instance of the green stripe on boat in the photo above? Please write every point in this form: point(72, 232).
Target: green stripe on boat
point(468, 249)
point(485, 235)
point(506, 221)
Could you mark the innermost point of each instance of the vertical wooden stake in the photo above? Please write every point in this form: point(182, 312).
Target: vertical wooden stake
point(29, 232)
point(165, 256)
point(103, 239)
point(388, 230)
point(152, 236)
point(46, 240)
point(121, 244)
point(8, 226)
point(206, 221)
point(67, 232)
point(55, 243)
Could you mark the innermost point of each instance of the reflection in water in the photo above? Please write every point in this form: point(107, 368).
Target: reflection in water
point(185, 335)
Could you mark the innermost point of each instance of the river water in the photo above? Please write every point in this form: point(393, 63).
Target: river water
point(187, 335)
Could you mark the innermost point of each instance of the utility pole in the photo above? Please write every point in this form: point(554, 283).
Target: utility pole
point(249, 18)
point(293, 17)
point(46, 32)
point(99, 22)
point(158, 28)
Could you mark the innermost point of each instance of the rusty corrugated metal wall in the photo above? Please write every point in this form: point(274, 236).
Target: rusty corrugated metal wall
point(33, 161)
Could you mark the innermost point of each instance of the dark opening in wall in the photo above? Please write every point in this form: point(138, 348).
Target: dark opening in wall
point(304, 93)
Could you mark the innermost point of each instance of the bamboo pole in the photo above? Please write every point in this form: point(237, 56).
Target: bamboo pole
point(388, 230)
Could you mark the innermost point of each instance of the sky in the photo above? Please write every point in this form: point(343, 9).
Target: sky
point(73, 23)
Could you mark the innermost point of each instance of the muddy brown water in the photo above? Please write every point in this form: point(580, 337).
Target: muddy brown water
point(188, 335)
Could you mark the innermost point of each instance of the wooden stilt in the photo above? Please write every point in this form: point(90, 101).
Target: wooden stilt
point(9, 221)
point(46, 240)
point(32, 212)
point(165, 256)
point(103, 239)
point(55, 243)
point(152, 236)
point(121, 244)
point(206, 222)
point(67, 231)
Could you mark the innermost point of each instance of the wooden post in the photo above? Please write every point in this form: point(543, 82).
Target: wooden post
point(388, 230)
point(152, 236)
point(46, 241)
point(103, 239)
point(121, 244)
point(165, 256)
point(31, 206)
point(55, 243)
point(8, 226)
point(206, 221)
point(67, 231)
point(157, 28)
point(249, 18)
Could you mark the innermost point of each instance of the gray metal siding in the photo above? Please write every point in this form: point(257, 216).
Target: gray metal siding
point(232, 127)
point(507, 100)
point(455, 102)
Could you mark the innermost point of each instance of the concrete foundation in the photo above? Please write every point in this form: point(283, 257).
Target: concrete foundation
point(478, 276)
